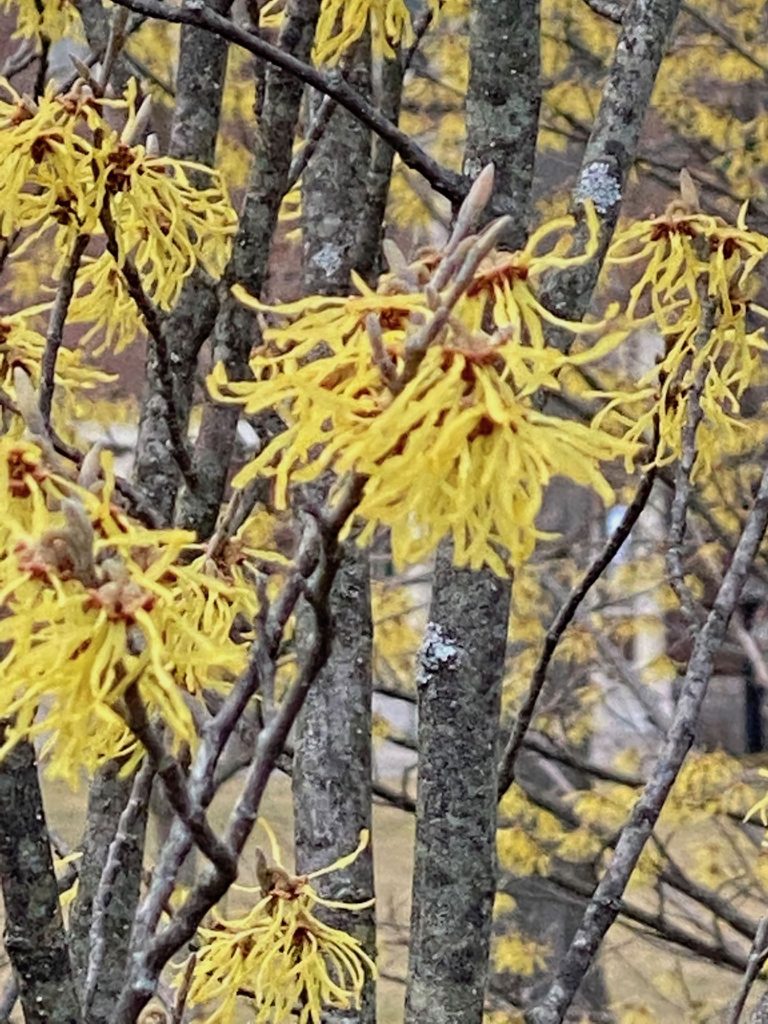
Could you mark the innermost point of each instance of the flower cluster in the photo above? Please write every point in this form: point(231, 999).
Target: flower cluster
point(66, 166)
point(428, 389)
point(694, 284)
point(49, 19)
point(279, 956)
point(342, 23)
point(95, 605)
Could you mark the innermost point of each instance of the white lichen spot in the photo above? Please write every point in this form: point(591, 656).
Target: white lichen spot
point(328, 258)
point(473, 165)
point(438, 651)
point(598, 183)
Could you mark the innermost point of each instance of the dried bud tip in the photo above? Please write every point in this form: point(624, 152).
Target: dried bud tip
point(394, 256)
point(689, 193)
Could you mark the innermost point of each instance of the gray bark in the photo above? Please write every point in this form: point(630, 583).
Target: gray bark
point(236, 329)
point(760, 1012)
point(462, 662)
point(334, 190)
point(367, 260)
point(454, 872)
point(199, 84)
point(612, 145)
point(503, 99)
point(332, 765)
point(107, 798)
point(34, 932)
point(332, 762)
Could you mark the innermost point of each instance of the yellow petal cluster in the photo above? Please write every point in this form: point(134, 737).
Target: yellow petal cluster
point(684, 263)
point(51, 19)
point(342, 23)
point(279, 956)
point(94, 604)
point(22, 346)
point(65, 165)
point(461, 447)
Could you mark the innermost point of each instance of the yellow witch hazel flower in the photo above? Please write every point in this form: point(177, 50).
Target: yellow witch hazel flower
point(168, 226)
point(101, 299)
point(22, 346)
point(51, 19)
point(279, 956)
point(65, 164)
point(696, 274)
point(342, 23)
point(94, 604)
point(447, 431)
point(45, 162)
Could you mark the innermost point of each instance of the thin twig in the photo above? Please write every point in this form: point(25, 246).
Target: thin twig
point(758, 954)
point(727, 38)
point(683, 472)
point(450, 184)
point(562, 620)
point(182, 992)
point(55, 333)
point(19, 60)
point(172, 775)
point(314, 134)
point(154, 324)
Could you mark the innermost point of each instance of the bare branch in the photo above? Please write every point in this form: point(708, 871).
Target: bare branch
point(758, 954)
point(602, 909)
point(154, 325)
point(170, 771)
point(330, 83)
point(561, 623)
point(314, 134)
point(55, 333)
point(683, 484)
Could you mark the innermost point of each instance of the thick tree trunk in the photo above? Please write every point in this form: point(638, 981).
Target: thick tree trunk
point(462, 663)
point(236, 328)
point(108, 795)
point(332, 763)
point(34, 932)
point(459, 689)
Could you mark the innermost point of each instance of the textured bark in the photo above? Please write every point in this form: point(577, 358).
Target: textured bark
point(334, 190)
point(760, 1012)
point(236, 328)
point(503, 98)
point(367, 259)
point(332, 763)
point(34, 932)
point(199, 84)
point(612, 145)
point(454, 872)
point(107, 797)
point(463, 658)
